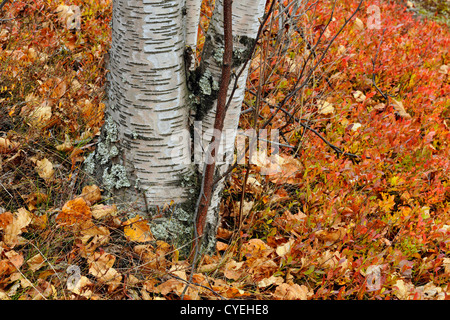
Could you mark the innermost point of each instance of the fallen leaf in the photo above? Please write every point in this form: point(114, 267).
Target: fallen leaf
point(402, 290)
point(444, 69)
point(21, 219)
point(293, 291)
point(7, 146)
point(66, 146)
point(44, 169)
point(400, 110)
point(100, 266)
point(221, 246)
point(359, 96)
point(331, 235)
point(102, 211)
point(16, 258)
point(324, 107)
point(233, 270)
point(74, 212)
point(36, 262)
point(137, 229)
point(81, 287)
point(358, 24)
point(41, 114)
point(91, 194)
point(285, 248)
point(272, 280)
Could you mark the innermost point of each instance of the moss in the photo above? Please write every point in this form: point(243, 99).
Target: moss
point(242, 54)
point(218, 55)
point(89, 163)
point(117, 178)
point(205, 83)
point(176, 229)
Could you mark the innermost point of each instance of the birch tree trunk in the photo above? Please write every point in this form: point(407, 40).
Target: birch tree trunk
point(143, 157)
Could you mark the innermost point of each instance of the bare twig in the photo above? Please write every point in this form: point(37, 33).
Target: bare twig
point(210, 163)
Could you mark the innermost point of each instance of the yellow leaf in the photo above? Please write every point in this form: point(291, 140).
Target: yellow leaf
point(137, 229)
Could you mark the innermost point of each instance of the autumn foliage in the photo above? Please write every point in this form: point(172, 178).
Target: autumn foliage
point(360, 208)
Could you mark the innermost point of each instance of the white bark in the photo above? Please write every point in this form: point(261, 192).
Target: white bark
point(246, 15)
point(143, 154)
point(192, 21)
point(147, 97)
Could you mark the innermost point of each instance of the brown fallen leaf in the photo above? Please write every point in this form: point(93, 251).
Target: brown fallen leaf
point(331, 235)
point(100, 266)
point(233, 270)
point(91, 194)
point(400, 109)
point(7, 146)
point(36, 262)
point(102, 211)
point(66, 146)
point(21, 219)
point(292, 291)
point(16, 258)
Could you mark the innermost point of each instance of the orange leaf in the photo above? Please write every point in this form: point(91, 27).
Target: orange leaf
point(137, 229)
point(74, 212)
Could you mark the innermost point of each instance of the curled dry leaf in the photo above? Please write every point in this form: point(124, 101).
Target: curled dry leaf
point(272, 280)
point(359, 96)
point(254, 249)
point(7, 146)
point(331, 235)
point(81, 287)
point(44, 169)
point(285, 248)
point(66, 146)
point(15, 258)
point(358, 24)
point(14, 228)
point(100, 266)
point(233, 270)
point(292, 291)
point(92, 237)
point(41, 114)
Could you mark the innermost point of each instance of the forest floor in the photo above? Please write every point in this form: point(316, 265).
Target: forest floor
point(327, 225)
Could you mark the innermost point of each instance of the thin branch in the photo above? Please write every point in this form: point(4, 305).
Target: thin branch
point(3, 4)
point(210, 163)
